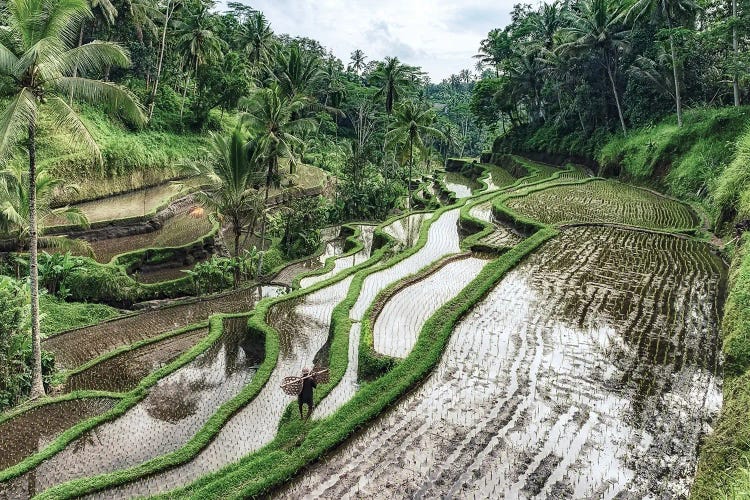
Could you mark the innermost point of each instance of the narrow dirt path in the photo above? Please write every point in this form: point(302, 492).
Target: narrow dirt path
point(589, 371)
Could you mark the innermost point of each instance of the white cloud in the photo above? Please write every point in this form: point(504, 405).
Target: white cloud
point(441, 36)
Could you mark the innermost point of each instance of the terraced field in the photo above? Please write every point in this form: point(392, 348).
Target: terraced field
point(601, 201)
point(461, 186)
point(591, 369)
point(576, 377)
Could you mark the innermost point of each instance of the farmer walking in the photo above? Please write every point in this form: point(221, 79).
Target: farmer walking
point(305, 396)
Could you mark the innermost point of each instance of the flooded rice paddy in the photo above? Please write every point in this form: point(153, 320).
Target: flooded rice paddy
point(31, 431)
point(333, 246)
point(601, 201)
point(591, 370)
point(128, 205)
point(77, 347)
point(175, 232)
point(174, 410)
point(398, 325)
point(123, 373)
point(460, 185)
point(365, 238)
point(303, 325)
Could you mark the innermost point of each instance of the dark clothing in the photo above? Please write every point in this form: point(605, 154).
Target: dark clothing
point(306, 394)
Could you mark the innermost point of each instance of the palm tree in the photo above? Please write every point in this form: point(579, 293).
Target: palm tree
point(494, 49)
point(392, 79)
point(231, 174)
point(198, 44)
point(258, 38)
point(272, 118)
point(15, 209)
point(597, 27)
point(169, 10)
point(37, 57)
point(357, 61)
point(298, 73)
point(413, 123)
point(669, 10)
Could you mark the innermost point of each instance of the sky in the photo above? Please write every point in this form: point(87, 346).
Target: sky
point(441, 36)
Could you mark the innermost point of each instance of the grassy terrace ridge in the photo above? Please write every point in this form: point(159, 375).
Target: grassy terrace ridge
point(724, 462)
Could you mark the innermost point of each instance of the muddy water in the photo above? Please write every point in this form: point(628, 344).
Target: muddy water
point(164, 273)
point(503, 235)
point(346, 262)
point(442, 240)
point(176, 231)
point(334, 246)
point(123, 206)
point(460, 185)
point(398, 325)
point(175, 409)
point(604, 202)
point(80, 346)
point(124, 372)
point(405, 231)
point(24, 435)
point(498, 178)
point(303, 325)
point(590, 371)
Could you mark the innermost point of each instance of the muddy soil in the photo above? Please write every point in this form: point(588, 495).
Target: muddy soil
point(124, 372)
point(604, 202)
point(175, 409)
point(460, 185)
point(498, 178)
point(77, 347)
point(589, 371)
point(503, 235)
point(24, 435)
point(176, 231)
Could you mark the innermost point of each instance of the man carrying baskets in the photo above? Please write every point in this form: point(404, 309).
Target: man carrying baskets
point(303, 387)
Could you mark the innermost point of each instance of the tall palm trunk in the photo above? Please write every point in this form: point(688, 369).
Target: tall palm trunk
point(735, 48)
point(161, 61)
point(265, 219)
point(677, 96)
point(617, 98)
point(37, 386)
point(411, 166)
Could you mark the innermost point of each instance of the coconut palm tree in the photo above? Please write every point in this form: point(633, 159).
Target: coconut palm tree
point(413, 122)
point(596, 26)
point(357, 59)
point(232, 173)
point(298, 72)
point(392, 79)
point(15, 208)
point(258, 39)
point(38, 54)
point(669, 11)
point(272, 118)
point(197, 43)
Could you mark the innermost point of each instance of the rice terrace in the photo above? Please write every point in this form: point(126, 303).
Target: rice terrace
point(241, 263)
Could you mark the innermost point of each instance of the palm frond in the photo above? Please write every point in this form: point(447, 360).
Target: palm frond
point(65, 116)
point(107, 94)
point(91, 58)
point(15, 120)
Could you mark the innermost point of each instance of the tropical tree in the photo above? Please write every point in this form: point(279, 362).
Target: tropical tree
point(495, 49)
point(197, 43)
point(392, 78)
point(596, 26)
point(232, 173)
point(272, 118)
point(15, 209)
point(413, 122)
point(38, 54)
point(258, 39)
point(357, 59)
point(298, 72)
point(670, 11)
